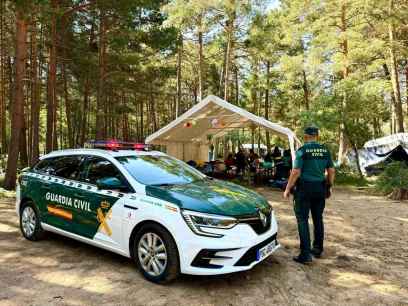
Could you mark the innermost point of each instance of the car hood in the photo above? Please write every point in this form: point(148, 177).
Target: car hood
point(211, 196)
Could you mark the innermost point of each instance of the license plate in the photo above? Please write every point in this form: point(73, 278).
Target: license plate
point(266, 250)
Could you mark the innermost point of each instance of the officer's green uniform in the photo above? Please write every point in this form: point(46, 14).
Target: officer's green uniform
point(312, 159)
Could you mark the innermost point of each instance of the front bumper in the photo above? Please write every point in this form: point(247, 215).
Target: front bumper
point(236, 251)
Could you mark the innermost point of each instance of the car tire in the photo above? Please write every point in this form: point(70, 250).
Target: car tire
point(155, 253)
point(30, 222)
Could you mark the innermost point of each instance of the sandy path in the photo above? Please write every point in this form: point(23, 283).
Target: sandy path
point(366, 263)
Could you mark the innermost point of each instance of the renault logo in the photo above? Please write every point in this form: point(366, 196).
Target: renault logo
point(262, 217)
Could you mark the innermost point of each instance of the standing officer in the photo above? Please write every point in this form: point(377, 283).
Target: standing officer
point(312, 187)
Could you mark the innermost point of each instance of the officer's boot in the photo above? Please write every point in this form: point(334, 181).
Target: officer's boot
point(316, 252)
point(303, 259)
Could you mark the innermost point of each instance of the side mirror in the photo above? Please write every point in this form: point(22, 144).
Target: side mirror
point(110, 183)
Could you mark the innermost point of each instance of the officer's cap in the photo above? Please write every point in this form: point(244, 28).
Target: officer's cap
point(311, 131)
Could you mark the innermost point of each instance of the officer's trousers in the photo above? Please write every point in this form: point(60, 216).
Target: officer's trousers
point(310, 197)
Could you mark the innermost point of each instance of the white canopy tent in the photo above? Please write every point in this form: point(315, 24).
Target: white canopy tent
point(375, 151)
point(187, 136)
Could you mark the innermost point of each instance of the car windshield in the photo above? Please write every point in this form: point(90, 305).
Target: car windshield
point(159, 170)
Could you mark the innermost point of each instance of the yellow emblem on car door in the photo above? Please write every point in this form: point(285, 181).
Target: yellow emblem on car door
point(103, 218)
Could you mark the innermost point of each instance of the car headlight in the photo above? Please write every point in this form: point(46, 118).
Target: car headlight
point(199, 222)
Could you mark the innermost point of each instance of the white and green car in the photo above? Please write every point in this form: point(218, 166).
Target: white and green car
point(165, 215)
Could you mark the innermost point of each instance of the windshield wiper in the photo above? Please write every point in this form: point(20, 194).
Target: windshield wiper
point(163, 185)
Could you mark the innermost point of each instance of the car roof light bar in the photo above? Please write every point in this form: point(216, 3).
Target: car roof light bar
point(116, 145)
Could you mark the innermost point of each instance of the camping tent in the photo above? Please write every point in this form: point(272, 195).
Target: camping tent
point(384, 149)
point(187, 137)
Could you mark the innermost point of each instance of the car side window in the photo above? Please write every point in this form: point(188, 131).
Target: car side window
point(67, 167)
point(46, 166)
point(99, 168)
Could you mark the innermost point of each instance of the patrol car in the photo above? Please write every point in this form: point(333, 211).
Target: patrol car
point(165, 215)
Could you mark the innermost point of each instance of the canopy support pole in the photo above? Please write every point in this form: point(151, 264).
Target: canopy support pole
point(292, 148)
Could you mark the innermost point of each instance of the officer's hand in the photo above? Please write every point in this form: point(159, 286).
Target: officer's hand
point(328, 192)
point(286, 194)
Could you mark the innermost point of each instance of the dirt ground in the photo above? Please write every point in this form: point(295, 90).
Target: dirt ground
point(366, 263)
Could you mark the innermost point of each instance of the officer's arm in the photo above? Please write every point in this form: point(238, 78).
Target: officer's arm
point(296, 171)
point(294, 175)
point(330, 170)
point(330, 175)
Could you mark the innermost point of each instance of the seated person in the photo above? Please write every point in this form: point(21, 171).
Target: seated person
point(218, 166)
point(287, 162)
point(276, 154)
point(230, 161)
point(268, 157)
point(240, 161)
point(192, 163)
point(253, 160)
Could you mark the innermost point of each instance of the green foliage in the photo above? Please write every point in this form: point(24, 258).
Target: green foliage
point(293, 51)
point(6, 193)
point(3, 192)
point(395, 176)
point(349, 177)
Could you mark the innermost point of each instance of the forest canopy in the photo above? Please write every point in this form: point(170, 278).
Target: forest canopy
point(73, 70)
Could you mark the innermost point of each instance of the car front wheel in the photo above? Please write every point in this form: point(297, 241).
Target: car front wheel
point(155, 253)
point(30, 223)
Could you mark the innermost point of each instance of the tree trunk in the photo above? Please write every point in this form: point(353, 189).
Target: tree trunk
point(200, 58)
point(179, 63)
point(11, 85)
point(344, 45)
point(85, 107)
point(222, 75)
point(107, 114)
point(358, 161)
point(268, 138)
point(35, 98)
point(2, 82)
point(141, 121)
point(236, 75)
point(394, 74)
point(68, 108)
point(399, 194)
point(377, 127)
point(23, 147)
point(306, 91)
point(52, 81)
point(100, 100)
point(153, 111)
point(392, 104)
point(55, 132)
point(406, 82)
point(17, 118)
point(125, 119)
point(254, 100)
point(227, 70)
point(230, 40)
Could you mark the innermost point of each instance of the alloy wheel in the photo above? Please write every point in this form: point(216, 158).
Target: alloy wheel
point(152, 254)
point(29, 221)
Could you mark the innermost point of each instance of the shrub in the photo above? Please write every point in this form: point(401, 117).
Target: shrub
point(394, 180)
point(348, 176)
point(3, 192)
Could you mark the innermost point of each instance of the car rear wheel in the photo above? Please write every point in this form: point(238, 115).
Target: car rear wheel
point(30, 223)
point(155, 253)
